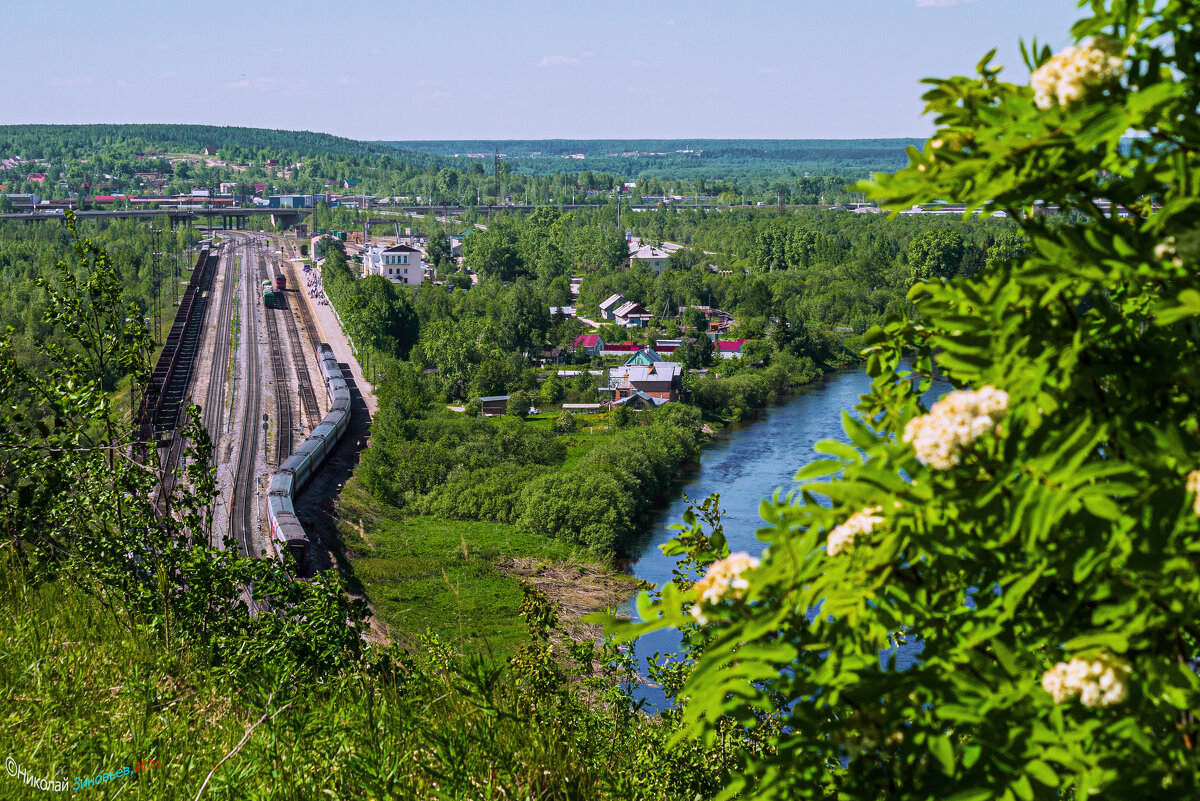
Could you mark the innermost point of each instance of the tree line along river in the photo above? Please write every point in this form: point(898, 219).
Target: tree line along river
point(745, 464)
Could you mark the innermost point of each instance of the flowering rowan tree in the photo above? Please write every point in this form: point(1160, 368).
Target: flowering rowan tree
point(1035, 528)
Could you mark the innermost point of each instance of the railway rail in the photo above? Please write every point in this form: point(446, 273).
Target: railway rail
point(306, 316)
point(283, 400)
point(214, 397)
point(304, 388)
point(241, 507)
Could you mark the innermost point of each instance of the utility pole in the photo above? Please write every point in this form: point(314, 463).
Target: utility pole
point(496, 171)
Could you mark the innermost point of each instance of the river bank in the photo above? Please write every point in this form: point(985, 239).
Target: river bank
point(453, 560)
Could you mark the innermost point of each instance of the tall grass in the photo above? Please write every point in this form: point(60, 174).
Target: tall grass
point(84, 689)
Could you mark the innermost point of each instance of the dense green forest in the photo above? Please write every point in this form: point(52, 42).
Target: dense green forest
point(107, 157)
point(150, 262)
point(722, 160)
point(83, 141)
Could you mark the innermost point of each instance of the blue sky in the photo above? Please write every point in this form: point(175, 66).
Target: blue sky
point(520, 70)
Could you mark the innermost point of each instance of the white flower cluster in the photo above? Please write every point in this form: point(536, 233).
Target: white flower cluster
point(1099, 682)
point(842, 537)
point(1165, 251)
point(1193, 487)
point(941, 437)
point(1068, 75)
point(723, 575)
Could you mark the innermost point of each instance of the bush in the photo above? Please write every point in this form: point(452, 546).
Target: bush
point(682, 416)
point(565, 423)
point(518, 405)
point(399, 471)
point(493, 493)
point(526, 445)
point(590, 508)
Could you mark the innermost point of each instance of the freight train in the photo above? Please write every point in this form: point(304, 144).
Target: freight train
point(295, 472)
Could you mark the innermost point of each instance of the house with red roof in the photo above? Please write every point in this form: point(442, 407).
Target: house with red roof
point(731, 348)
point(622, 349)
point(36, 177)
point(591, 343)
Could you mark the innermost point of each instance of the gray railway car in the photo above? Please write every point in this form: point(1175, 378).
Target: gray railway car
point(304, 462)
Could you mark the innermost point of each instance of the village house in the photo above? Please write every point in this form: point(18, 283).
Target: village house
point(632, 314)
point(645, 356)
point(592, 344)
point(639, 384)
point(610, 305)
point(650, 256)
point(731, 348)
point(399, 264)
point(621, 349)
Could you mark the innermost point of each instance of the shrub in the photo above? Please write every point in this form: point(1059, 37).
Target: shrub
point(493, 493)
point(565, 423)
point(589, 508)
point(518, 405)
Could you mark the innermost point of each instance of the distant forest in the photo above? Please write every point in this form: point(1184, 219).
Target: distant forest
point(726, 159)
point(83, 140)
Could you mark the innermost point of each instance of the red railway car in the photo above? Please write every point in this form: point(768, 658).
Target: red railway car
point(280, 283)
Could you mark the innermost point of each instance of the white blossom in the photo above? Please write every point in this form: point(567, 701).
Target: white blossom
point(722, 576)
point(1165, 249)
point(1068, 74)
point(942, 437)
point(842, 537)
point(1096, 682)
point(1193, 488)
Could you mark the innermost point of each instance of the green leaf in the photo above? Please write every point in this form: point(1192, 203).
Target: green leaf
point(1187, 304)
point(837, 448)
point(1109, 640)
point(976, 794)
point(1042, 772)
point(943, 751)
point(819, 469)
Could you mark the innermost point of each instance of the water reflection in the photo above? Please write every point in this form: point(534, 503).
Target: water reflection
point(744, 465)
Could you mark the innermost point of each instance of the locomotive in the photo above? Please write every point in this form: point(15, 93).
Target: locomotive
point(295, 472)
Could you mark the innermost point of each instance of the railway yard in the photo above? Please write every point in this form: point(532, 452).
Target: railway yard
point(257, 380)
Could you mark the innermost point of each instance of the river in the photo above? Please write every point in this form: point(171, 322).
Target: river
point(744, 464)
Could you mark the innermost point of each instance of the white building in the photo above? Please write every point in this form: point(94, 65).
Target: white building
point(400, 264)
point(654, 258)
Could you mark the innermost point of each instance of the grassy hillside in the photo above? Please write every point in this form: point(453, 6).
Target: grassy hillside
point(84, 691)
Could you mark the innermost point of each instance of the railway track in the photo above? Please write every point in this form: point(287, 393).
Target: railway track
point(306, 316)
point(214, 398)
point(241, 507)
point(283, 400)
point(308, 398)
point(173, 379)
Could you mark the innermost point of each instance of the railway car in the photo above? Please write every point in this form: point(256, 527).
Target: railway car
point(268, 294)
point(304, 462)
point(280, 283)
